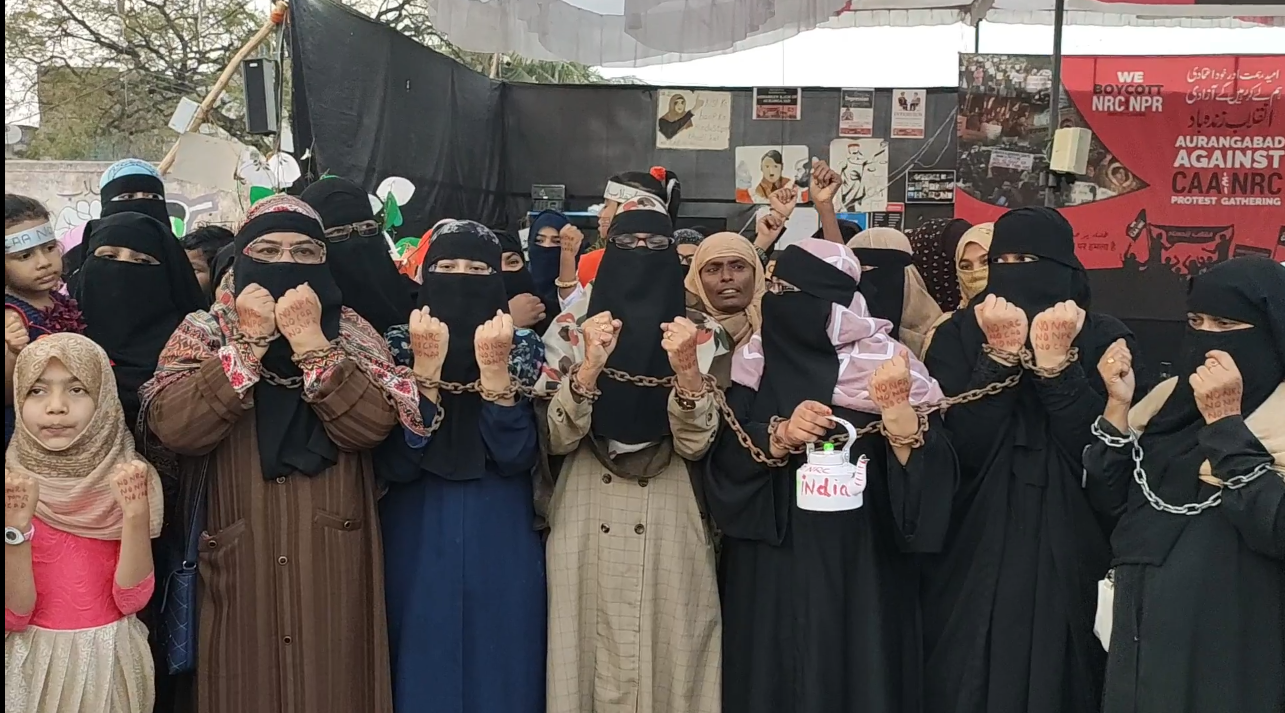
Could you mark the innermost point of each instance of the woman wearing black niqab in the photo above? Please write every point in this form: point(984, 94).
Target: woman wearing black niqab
point(1008, 606)
point(358, 254)
point(457, 520)
point(528, 308)
point(134, 289)
point(1199, 579)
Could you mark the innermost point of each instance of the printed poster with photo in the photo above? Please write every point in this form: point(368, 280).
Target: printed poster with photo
point(909, 111)
point(760, 170)
point(693, 121)
point(776, 103)
point(863, 166)
point(857, 113)
point(930, 186)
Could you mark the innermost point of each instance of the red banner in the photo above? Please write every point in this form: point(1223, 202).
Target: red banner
point(1186, 167)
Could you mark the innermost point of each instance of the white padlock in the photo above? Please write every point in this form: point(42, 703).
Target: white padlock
point(829, 481)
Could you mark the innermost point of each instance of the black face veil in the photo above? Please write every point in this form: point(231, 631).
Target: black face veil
point(464, 302)
point(643, 289)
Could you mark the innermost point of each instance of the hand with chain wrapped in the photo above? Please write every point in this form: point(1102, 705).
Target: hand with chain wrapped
point(808, 424)
point(601, 333)
point(1005, 327)
point(298, 315)
point(492, 343)
point(1116, 369)
point(679, 342)
point(1053, 332)
point(890, 390)
point(429, 340)
point(256, 313)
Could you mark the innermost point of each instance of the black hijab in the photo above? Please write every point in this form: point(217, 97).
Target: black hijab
point(546, 262)
point(883, 280)
point(1055, 277)
point(643, 289)
point(464, 302)
point(1249, 290)
point(521, 282)
point(131, 309)
point(135, 183)
point(800, 362)
point(362, 267)
point(291, 436)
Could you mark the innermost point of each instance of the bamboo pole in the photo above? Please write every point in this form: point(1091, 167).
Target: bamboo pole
point(275, 18)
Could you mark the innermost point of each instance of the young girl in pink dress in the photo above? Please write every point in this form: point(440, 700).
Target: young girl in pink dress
point(80, 512)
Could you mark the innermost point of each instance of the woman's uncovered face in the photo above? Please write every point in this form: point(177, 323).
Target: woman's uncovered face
point(728, 283)
point(58, 407)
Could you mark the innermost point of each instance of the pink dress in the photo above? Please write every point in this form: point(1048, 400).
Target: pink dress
point(80, 648)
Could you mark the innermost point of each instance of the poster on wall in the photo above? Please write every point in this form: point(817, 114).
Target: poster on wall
point(1186, 165)
point(863, 166)
point(909, 113)
point(930, 187)
point(693, 121)
point(760, 170)
point(857, 113)
point(778, 103)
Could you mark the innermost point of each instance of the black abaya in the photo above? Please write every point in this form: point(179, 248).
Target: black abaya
point(1008, 606)
point(820, 610)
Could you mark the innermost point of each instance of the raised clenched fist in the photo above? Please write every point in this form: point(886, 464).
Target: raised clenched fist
point(299, 319)
point(256, 312)
point(678, 339)
point(1218, 386)
point(21, 493)
point(825, 183)
point(1003, 323)
point(429, 340)
point(1053, 331)
point(1116, 369)
point(570, 239)
point(783, 200)
point(600, 334)
point(527, 310)
point(890, 384)
point(16, 337)
point(492, 342)
point(129, 483)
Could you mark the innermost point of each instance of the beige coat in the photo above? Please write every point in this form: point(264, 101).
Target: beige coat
point(634, 621)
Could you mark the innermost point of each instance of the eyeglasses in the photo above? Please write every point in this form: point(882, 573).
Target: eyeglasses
point(777, 286)
point(366, 229)
point(653, 242)
point(309, 253)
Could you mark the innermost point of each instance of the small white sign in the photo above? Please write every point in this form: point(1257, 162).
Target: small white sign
point(183, 115)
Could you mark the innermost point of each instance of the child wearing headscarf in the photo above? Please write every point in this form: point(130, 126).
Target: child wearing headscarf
point(80, 512)
point(33, 305)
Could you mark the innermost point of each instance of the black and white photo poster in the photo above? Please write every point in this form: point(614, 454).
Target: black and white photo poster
point(930, 186)
point(857, 113)
point(863, 167)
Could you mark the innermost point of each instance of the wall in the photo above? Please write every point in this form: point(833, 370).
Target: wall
point(69, 189)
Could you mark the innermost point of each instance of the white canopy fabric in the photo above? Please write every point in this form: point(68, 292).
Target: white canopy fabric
point(635, 33)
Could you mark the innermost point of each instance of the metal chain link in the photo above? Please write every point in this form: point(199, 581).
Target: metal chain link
point(1189, 509)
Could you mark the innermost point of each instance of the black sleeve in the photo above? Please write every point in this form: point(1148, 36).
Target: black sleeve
point(1075, 398)
point(978, 425)
point(744, 496)
point(1108, 470)
point(1257, 510)
point(921, 491)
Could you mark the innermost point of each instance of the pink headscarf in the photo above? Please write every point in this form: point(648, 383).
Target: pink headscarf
point(862, 342)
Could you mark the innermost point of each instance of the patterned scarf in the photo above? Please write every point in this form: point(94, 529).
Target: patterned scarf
point(202, 334)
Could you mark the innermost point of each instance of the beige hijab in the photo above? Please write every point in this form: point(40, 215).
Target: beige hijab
point(971, 282)
point(739, 325)
point(919, 311)
point(1267, 422)
point(75, 495)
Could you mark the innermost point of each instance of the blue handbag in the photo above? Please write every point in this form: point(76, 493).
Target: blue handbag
point(178, 608)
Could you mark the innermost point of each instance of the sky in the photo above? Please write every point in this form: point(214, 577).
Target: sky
point(929, 56)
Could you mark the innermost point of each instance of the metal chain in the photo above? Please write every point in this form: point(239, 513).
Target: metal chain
point(289, 382)
point(1189, 509)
